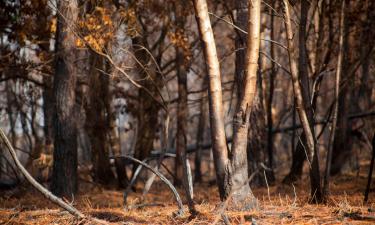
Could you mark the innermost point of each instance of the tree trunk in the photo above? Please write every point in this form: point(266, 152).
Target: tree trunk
point(231, 167)
point(182, 109)
point(183, 170)
point(64, 175)
point(299, 154)
point(219, 145)
point(200, 136)
point(342, 143)
point(96, 120)
point(270, 97)
point(335, 111)
point(256, 133)
point(302, 105)
point(238, 154)
point(147, 117)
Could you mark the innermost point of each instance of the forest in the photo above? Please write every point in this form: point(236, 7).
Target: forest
point(187, 112)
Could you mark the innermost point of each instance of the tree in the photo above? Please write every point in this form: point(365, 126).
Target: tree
point(230, 166)
point(64, 173)
point(336, 107)
point(302, 103)
point(256, 147)
point(97, 118)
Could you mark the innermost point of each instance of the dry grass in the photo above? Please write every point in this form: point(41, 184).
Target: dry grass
point(283, 206)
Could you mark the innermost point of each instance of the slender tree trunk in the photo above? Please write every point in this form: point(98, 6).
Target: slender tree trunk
point(219, 145)
point(231, 167)
point(238, 154)
point(342, 144)
point(270, 97)
point(302, 105)
point(322, 57)
point(256, 133)
point(200, 137)
point(48, 115)
point(64, 175)
point(182, 170)
point(335, 112)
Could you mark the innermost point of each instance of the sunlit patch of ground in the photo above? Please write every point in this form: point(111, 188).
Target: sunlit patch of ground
point(283, 205)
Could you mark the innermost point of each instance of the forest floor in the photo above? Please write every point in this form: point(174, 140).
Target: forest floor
point(280, 204)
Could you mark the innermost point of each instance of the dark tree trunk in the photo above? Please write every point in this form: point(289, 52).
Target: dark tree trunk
point(270, 98)
point(342, 143)
point(64, 175)
point(147, 117)
point(299, 156)
point(200, 136)
point(48, 115)
point(182, 115)
point(302, 95)
point(96, 120)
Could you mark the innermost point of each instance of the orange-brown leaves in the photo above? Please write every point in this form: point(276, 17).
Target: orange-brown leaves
point(97, 29)
point(179, 39)
point(129, 16)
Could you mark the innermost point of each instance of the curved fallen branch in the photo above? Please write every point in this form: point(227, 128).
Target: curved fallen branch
point(165, 180)
point(75, 212)
point(132, 181)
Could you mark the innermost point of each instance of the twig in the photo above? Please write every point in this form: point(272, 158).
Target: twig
point(268, 188)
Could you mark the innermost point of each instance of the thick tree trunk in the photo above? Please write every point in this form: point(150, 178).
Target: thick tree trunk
point(302, 105)
point(64, 175)
point(96, 120)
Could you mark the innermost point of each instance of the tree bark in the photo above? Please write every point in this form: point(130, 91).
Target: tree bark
point(302, 105)
point(182, 170)
point(231, 167)
point(182, 110)
point(64, 173)
point(200, 137)
point(96, 119)
point(256, 133)
point(219, 145)
point(238, 154)
point(147, 117)
point(342, 144)
point(336, 109)
point(270, 97)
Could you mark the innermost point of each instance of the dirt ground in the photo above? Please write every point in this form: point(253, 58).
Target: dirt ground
point(279, 204)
